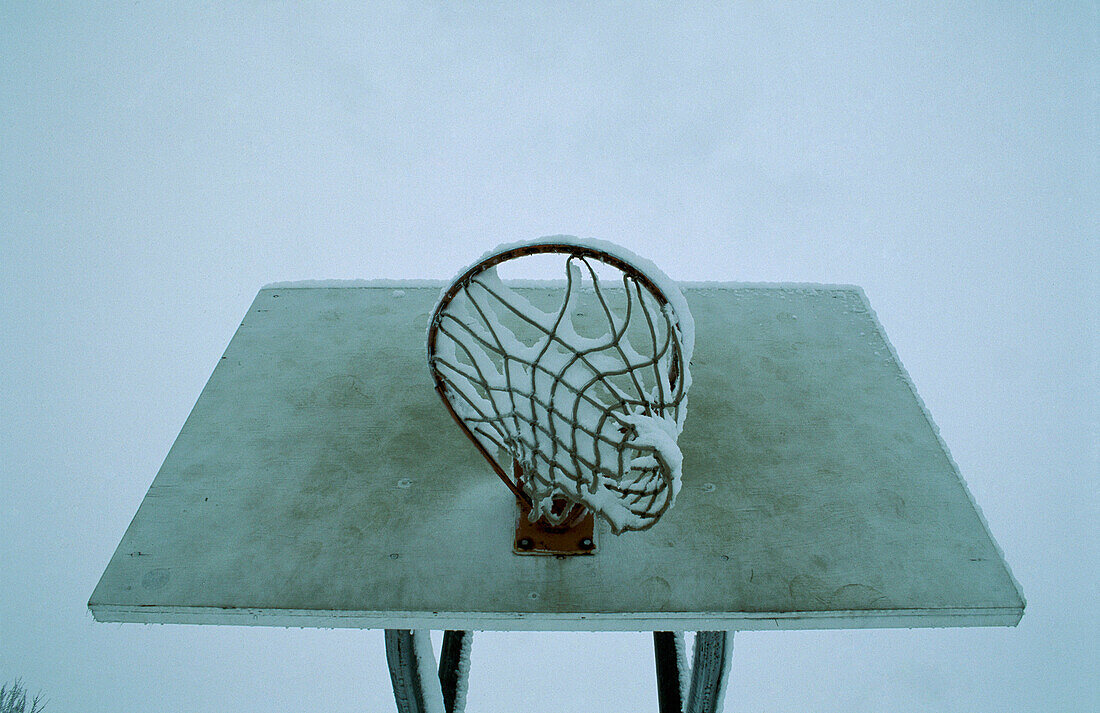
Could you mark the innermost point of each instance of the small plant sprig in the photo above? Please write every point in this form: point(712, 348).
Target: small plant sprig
point(13, 699)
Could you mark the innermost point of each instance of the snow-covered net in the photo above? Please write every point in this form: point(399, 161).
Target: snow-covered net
point(582, 395)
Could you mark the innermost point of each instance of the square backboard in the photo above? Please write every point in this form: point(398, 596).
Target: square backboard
point(319, 481)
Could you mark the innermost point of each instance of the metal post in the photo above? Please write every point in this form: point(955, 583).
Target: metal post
point(401, 655)
point(670, 698)
point(454, 668)
point(404, 657)
point(708, 671)
point(709, 668)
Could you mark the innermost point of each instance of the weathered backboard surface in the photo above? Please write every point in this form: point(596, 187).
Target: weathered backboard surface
point(320, 482)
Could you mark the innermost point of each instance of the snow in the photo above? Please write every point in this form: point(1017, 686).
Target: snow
point(490, 280)
point(463, 682)
point(429, 674)
point(663, 282)
point(683, 668)
point(660, 434)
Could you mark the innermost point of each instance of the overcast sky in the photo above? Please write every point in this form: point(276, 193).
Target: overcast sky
point(157, 166)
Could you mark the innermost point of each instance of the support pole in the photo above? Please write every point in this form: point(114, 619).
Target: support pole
point(407, 657)
point(401, 655)
point(409, 672)
point(709, 670)
point(670, 699)
point(454, 669)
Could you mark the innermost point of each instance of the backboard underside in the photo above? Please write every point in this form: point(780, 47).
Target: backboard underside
point(320, 482)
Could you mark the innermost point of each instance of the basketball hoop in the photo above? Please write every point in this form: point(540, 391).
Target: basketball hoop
point(583, 423)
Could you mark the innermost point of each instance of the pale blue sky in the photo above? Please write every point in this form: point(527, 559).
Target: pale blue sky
point(158, 165)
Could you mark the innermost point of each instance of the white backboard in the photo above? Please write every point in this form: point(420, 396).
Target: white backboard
point(320, 482)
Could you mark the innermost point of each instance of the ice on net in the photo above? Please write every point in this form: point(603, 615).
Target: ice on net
point(592, 419)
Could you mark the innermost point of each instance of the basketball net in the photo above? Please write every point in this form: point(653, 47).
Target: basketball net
point(582, 421)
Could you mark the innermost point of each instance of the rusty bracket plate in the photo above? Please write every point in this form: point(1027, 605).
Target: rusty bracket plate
point(541, 538)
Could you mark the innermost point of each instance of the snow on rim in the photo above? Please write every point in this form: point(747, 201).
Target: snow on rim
point(663, 282)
